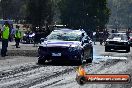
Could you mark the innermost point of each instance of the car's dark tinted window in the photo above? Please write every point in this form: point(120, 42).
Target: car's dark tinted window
point(122, 36)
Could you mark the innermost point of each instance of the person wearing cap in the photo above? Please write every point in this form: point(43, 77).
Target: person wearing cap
point(17, 36)
point(5, 37)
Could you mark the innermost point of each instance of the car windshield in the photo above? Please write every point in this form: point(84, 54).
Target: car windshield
point(67, 36)
point(122, 36)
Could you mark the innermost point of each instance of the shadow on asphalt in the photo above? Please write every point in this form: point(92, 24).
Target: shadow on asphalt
point(61, 64)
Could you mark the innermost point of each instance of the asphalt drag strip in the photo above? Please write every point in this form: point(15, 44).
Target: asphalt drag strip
point(26, 74)
point(97, 59)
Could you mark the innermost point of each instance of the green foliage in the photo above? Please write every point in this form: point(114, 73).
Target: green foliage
point(39, 12)
point(12, 9)
point(87, 14)
point(121, 13)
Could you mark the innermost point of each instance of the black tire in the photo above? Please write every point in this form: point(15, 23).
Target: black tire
point(41, 60)
point(90, 59)
point(55, 62)
point(128, 49)
point(107, 49)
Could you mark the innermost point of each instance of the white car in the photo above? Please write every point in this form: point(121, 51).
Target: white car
point(117, 41)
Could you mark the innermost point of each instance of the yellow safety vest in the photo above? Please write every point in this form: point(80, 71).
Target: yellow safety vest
point(18, 34)
point(6, 31)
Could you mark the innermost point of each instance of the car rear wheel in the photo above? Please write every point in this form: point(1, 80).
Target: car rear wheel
point(41, 60)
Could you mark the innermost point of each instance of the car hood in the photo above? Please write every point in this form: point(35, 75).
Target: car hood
point(60, 43)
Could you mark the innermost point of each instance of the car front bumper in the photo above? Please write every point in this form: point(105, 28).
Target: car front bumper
point(117, 47)
point(60, 55)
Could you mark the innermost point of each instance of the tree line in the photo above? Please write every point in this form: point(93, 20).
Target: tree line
point(121, 13)
point(86, 14)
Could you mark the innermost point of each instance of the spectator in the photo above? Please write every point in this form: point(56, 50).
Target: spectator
point(105, 35)
point(5, 38)
point(13, 30)
point(101, 37)
point(94, 37)
point(17, 36)
point(97, 35)
point(36, 37)
point(128, 33)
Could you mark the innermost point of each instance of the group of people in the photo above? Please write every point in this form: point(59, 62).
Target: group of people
point(100, 36)
point(6, 34)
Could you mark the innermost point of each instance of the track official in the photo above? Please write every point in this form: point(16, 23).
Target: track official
point(17, 36)
point(5, 38)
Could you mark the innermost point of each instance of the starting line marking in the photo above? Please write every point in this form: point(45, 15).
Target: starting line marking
point(109, 57)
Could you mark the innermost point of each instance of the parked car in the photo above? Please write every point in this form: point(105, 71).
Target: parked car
point(117, 41)
point(66, 45)
point(28, 38)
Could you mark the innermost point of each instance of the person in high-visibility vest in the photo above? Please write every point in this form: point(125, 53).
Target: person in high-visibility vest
point(5, 37)
point(17, 36)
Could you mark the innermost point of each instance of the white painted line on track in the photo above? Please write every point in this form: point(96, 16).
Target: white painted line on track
point(109, 57)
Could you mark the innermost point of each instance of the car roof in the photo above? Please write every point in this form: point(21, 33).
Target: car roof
point(65, 30)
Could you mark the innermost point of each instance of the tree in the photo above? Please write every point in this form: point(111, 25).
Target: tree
point(40, 12)
point(87, 14)
point(13, 9)
point(121, 13)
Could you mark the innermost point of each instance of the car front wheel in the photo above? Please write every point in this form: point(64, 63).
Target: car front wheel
point(41, 60)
